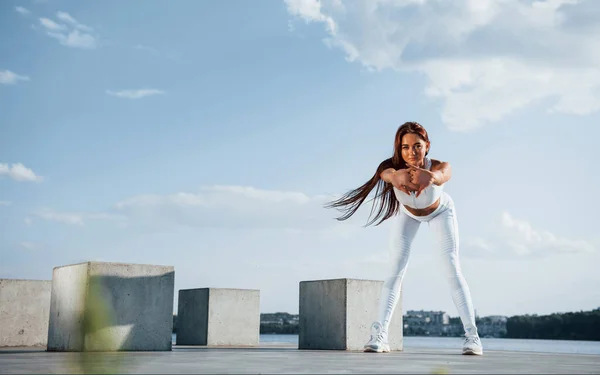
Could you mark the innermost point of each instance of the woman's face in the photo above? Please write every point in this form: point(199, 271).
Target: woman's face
point(413, 149)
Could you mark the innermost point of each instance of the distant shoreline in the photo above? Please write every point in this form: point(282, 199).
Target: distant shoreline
point(450, 337)
point(571, 326)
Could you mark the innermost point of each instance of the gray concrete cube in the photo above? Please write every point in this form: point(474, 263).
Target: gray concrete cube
point(24, 312)
point(97, 306)
point(337, 314)
point(218, 317)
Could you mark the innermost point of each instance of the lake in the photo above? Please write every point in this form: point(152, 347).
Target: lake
point(520, 345)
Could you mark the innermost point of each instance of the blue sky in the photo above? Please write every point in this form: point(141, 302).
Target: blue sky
point(208, 135)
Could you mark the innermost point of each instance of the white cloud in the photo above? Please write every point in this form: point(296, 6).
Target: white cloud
point(530, 241)
point(77, 218)
point(27, 221)
point(518, 238)
point(67, 218)
point(22, 10)
point(135, 94)
point(10, 78)
point(225, 207)
point(51, 25)
point(27, 245)
point(5, 203)
point(66, 17)
point(310, 11)
point(270, 196)
point(19, 172)
point(228, 207)
point(483, 59)
point(71, 38)
point(75, 39)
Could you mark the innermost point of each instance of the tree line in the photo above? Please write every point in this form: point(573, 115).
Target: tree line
point(583, 325)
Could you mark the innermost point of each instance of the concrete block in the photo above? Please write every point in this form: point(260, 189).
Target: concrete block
point(337, 314)
point(24, 312)
point(218, 317)
point(97, 306)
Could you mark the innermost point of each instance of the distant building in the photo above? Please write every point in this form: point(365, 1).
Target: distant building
point(438, 323)
point(426, 323)
point(277, 322)
point(435, 317)
point(279, 319)
point(416, 323)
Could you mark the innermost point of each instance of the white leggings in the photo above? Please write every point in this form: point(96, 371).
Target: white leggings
point(445, 228)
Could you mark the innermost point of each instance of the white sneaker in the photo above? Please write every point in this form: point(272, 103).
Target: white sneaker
point(378, 342)
point(472, 346)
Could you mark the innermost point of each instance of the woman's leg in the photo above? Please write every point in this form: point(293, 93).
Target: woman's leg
point(445, 227)
point(403, 231)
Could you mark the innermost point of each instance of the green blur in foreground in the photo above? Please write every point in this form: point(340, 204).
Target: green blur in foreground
point(102, 343)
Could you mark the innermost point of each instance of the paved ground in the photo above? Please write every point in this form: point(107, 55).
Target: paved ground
point(287, 359)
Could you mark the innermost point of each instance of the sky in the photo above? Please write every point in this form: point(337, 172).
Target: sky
point(208, 135)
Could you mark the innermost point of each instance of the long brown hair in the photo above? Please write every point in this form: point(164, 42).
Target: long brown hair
point(388, 204)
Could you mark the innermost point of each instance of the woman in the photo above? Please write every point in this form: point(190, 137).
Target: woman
point(410, 188)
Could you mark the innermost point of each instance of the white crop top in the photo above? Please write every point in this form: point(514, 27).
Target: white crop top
point(428, 196)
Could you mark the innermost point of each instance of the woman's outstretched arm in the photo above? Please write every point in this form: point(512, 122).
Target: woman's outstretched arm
point(442, 171)
point(399, 178)
point(439, 173)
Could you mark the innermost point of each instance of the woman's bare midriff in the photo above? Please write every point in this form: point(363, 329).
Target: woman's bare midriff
point(423, 211)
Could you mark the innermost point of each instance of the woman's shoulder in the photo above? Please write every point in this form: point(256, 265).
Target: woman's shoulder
point(436, 162)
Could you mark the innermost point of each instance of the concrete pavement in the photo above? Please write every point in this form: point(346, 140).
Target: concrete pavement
point(281, 359)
